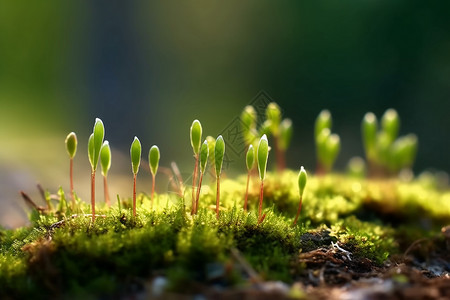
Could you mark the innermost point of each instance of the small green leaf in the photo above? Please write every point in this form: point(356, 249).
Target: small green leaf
point(204, 154)
point(323, 121)
point(91, 150)
point(369, 128)
point(99, 134)
point(302, 178)
point(250, 157)
point(71, 144)
point(196, 136)
point(262, 154)
point(285, 134)
point(153, 159)
point(273, 114)
point(135, 153)
point(219, 151)
point(390, 124)
point(105, 158)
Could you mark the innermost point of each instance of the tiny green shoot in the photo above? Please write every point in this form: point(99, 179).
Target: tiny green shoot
point(196, 137)
point(262, 154)
point(71, 147)
point(369, 128)
point(219, 151)
point(248, 119)
point(105, 162)
point(135, 153)
point(302, 178)
point(153, 159)
point(94, 145)
point(323, 121)
point(204, 154)
point(250, 162)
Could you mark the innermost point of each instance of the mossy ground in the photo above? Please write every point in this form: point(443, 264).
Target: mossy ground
point(374, 220)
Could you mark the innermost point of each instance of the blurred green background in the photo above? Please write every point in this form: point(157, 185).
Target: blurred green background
point(149, 69)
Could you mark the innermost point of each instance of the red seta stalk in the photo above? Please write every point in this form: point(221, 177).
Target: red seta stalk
point(134, 195)
point(298, 211)
point(153, 190)
point(198, 192)
point(194, 180)
point(93, 195)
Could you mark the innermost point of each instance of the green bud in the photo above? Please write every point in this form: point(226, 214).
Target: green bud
point(323, 121)
point(204, 154)
point(248, 118)
point(71, 144)
point(105, 158)
point(285, 133)
point(369, 128)
point(153, 159)
point(196, 136)
point(250, 157)
point(219, 151)
point(99, 134)
point(383, 146)
point(91, 150)
point(262, 155)
point(403, 152)
point(273, 114)
point(390, 124)
point(135, 153)
point(211, 144)
point(302, 178)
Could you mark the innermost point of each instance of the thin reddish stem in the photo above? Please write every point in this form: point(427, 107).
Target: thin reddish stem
point(198, 192)
point(105, 191)
point(71, 184)
point(299, 210)
point(246, 191)
point(153, 190)
point(217, 198)
point(260, 200)
point(134, 195)
point(93, 194)
point(194, 180)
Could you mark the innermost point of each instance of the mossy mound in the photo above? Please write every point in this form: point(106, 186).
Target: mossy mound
point(366, 222)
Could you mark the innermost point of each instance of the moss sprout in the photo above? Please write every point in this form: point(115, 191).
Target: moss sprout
point(262, 154)
point(94, 146)
point(327, 144)
point(71, 147)
point(135, 153)
point(204, 154)
point(250, 162)
point(302, 178)
point(105, 162)
point(248, 120)
point(219, 151)
point(196, 139)
point(153, 160)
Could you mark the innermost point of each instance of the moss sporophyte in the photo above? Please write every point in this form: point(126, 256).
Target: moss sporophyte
point(204, 154)
point(71, 147)
point(219, 152)
point(94, 145)
point(250, 162)
point(262, 154)
point(196, 139)
point(105, 161)
point(135, 153)
point(153, 159)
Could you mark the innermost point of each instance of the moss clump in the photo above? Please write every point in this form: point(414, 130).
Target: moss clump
point(62, 253)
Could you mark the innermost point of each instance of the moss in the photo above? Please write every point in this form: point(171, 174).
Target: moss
point(371, 219)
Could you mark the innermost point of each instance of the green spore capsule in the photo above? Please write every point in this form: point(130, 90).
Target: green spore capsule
point(71, 144)
point(135, 153)
point(105, 158)
point(153, 159)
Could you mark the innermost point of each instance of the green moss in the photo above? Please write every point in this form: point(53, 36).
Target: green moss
point(371, 219)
